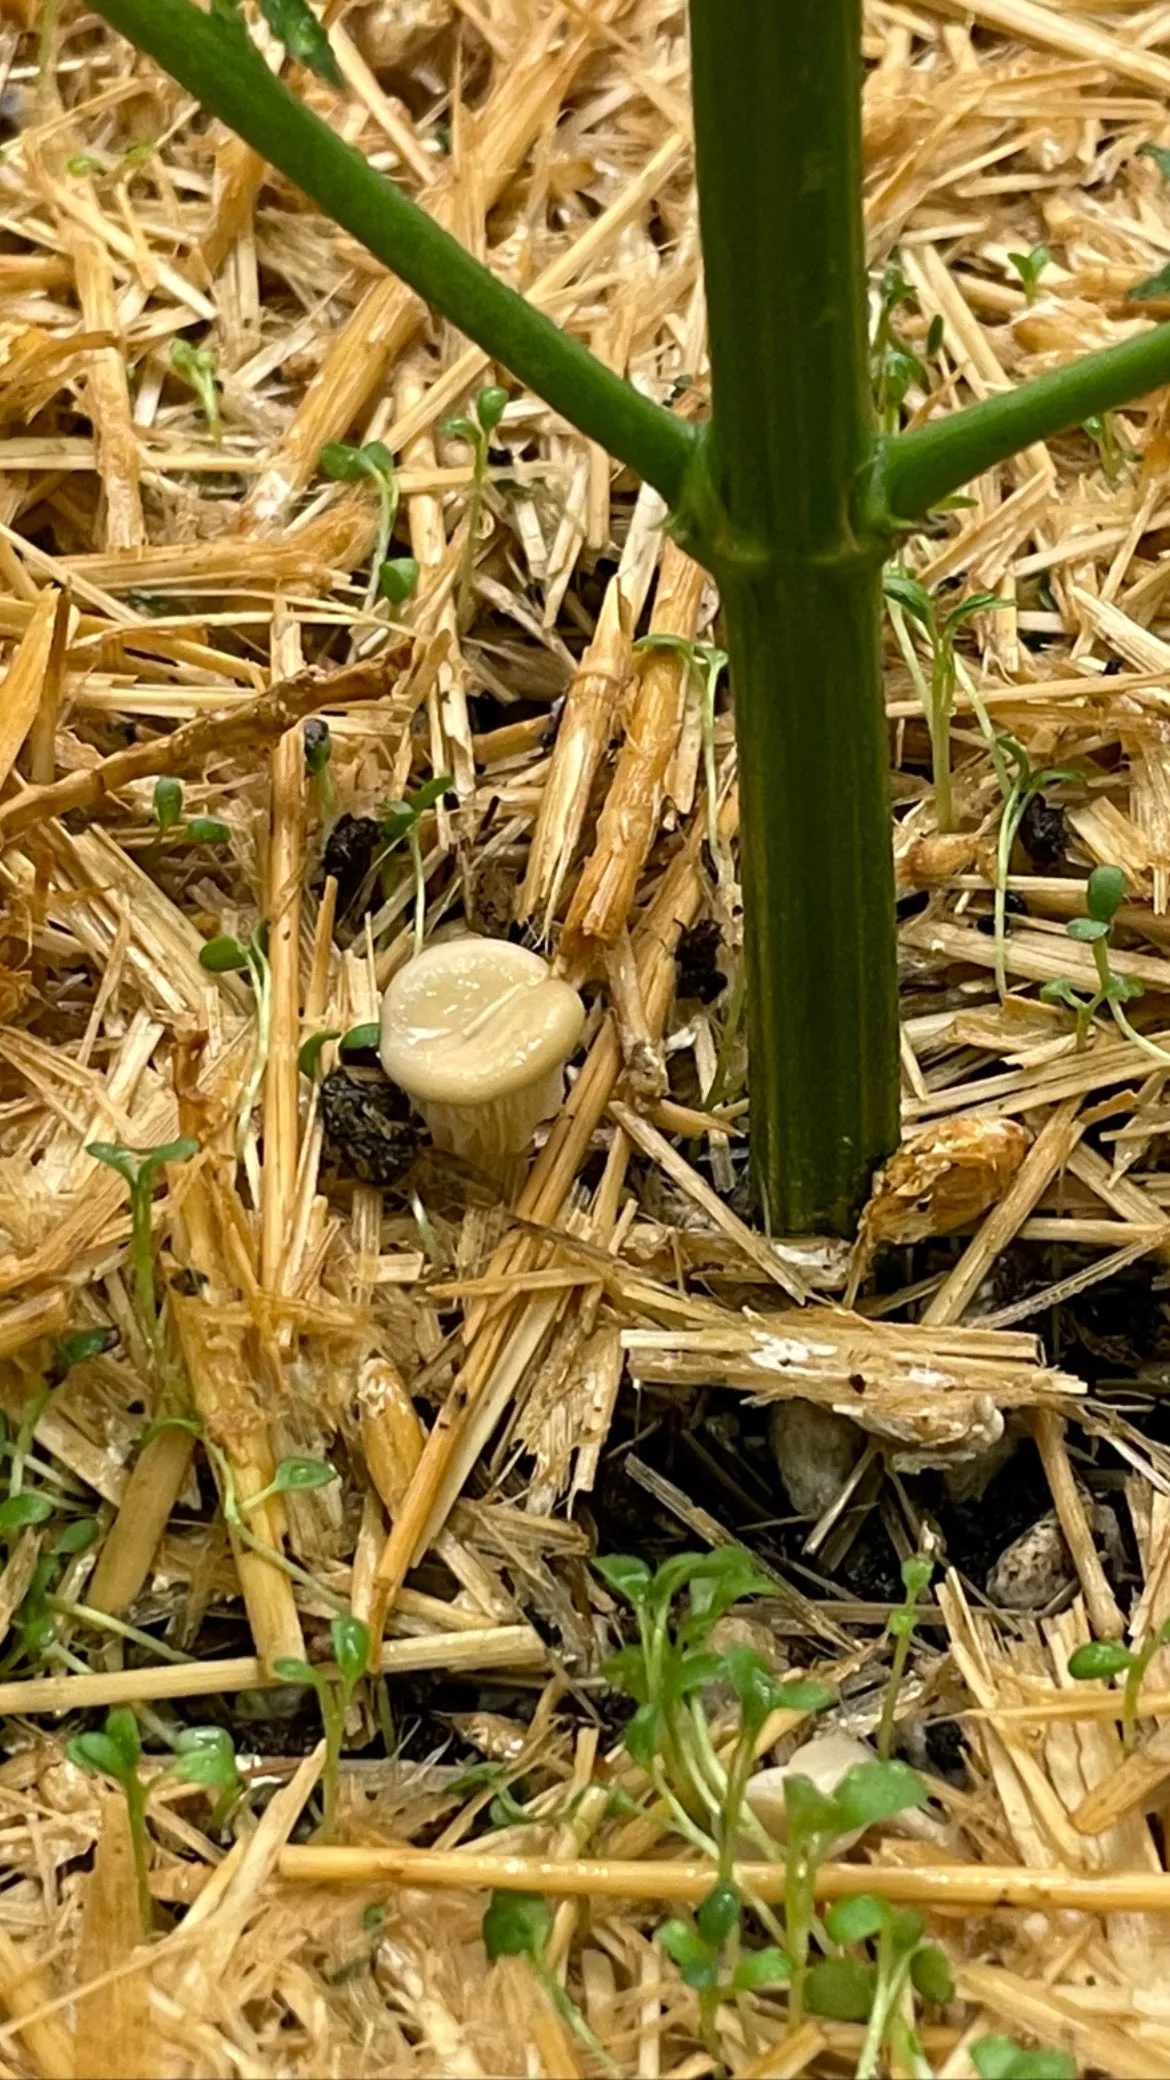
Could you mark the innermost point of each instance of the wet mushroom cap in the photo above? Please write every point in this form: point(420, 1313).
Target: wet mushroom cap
point(471, 1021)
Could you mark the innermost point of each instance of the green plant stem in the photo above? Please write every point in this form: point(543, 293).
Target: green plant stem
point(777, 134)
point(914, 471)
point(213, 62)
point(942, 700)
point(885, 1737)
point(23, 1441)
point(570, 2013)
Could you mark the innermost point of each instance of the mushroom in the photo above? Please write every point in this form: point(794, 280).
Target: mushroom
point(478, 1032)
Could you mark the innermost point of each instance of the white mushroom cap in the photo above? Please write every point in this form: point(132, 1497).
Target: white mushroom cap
point(478, 1031)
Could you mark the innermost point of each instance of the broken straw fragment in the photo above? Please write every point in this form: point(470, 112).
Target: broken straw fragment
point(478, 1032)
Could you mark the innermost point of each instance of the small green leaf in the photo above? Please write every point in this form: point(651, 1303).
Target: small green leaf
point(810, 1812)
point(760, 1969)
point(1160, 156)
point(916, 1575)
point(516, 1924)
point(98, 1754)
point(697, 1964)
point(362, 1039)
point(874, 1791)
point(932, 1976)
point(626, 1670)
point(719, 1913)
point(206, 830)
point(908, 593)
point(753, 1683)
point(489, 407)
point(1123, 989)
point(1152, 288)
point(1086, 929)
point(318, 744)
point(975, 603)
point(138, 154)
point(1061, 991)
point(855, 1920)
point(298, 1476)
point(626, 1577)
point(805, 1697)
point(115, 1158)
point(398, 579)
point(461, 429)
point(1105, 892)
point(1099, 1659)
point(297, 27)
point(76, 1537)
point(643, 1735)
point(841, 1988)
point(341, 462)
point(122, 1729)
point(223, 955)
point(935, 334)
point(351, 1646)
point(81, 164)
point(209, 1766)
point(81, 1346)
point(309, 1057)
point(1001, 2058)
point(20, 1511)
point(291, 1670)
point(154, 1159)
point(202, 1737)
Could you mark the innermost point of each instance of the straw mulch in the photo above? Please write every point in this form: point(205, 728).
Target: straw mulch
point(173, 605)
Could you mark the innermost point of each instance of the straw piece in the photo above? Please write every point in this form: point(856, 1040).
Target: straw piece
point(1047, 1156)
point(1048, 1428)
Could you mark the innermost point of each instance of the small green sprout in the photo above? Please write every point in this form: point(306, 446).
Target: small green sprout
point(398, 580)
point(138, 154)
point(318, 742)
point(225, 955)
point(141, 1171)
point(296, 26)
point(916, 1574)
point(902, 1957)
point(361, 1039)
point(1104, 894)
point(116, 1753)
point(868, 1793)
point(22, 1510)
point(293, 1477)
point(1160, 155)
point(1151, 290)
point(907, 594)
point(168, 803)
point(309, 1056)
point(1101, 428)
point(344, 463)
point(708, 663)
point(400, 820)
point(894, 365)
point(519, 1924)
point(81, 165)
point(1099, 1659)
point(206, 830)
point(1018, 788)
point(477, 432)
point(196, 366)
point(205, 1755)
point(351, 1651)
point(1030, 267)
point(1001, 2058)
point(67, 1351)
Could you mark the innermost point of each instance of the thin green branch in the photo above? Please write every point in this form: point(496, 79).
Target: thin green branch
point(213, 59)
point(914, 471)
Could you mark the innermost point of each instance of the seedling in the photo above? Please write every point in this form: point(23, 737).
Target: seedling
point(1104, 894)
point(916, 1574)
point(901, 1956)
point(67, 1351)
point(116, 1753)
point(519, 1924)
point(292, 1477)
point(81, 165)
point(401, 820)
point(1001, 2058)
point(938, 699)
point(197, 366)
point(477, 432)
point(1102, 1658)
point(309, 1055)
point(868, 1793)
point(1018, 788)
point(318, 743)
point(344, 463)
point(297, 27)
point(168, 808)
point(708, 664)
point(141, 1171)
point(1160, 156)
point(351, 1651)
point(205, 1755)
point(398, 580)
point(1030, 267)
point(1102, 431)
point(225, 956)
point(894, 365)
